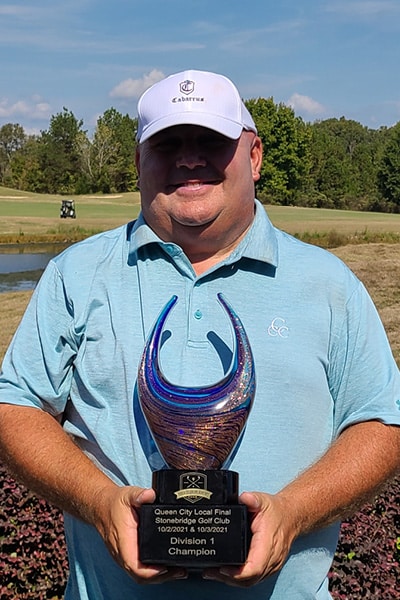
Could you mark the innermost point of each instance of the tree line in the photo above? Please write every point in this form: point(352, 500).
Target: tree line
point(333, 163)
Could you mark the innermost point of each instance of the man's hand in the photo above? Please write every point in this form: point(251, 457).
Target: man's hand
point(119, 528)
point(351, 472)
point(66, 477)
point(270, 544)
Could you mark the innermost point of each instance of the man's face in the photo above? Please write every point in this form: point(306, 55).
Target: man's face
point(193, 180)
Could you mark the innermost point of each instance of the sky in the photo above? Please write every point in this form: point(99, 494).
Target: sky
point(327, 58)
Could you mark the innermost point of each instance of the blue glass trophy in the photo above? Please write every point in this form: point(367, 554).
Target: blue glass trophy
point(196, 520)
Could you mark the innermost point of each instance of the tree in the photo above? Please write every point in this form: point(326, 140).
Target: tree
point(12, 139)
point(286, 142)
point(110, 160)
point(60, 154)
point(344, 162)
point(389, 168)
point(25, 167)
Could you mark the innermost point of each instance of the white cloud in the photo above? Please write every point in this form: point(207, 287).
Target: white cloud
point(19, 13)
point(41, 110)
point(133, 88)
point(261, 37)
point(305, 104)
point(35, 110)
point(364, 8)
point(13, 10)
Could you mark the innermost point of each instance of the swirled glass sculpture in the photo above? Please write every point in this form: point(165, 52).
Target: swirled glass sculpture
point(197, 427)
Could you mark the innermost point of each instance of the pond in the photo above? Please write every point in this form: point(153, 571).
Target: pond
point(22, 266)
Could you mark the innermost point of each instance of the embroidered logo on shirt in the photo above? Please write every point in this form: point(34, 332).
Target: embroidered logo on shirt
point(278, 328)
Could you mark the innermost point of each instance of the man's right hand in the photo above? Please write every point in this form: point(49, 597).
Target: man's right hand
point(119, 523)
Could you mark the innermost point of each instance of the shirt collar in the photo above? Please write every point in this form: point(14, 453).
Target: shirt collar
point(259, 243)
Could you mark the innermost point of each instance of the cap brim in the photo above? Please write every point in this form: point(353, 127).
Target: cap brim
point(230, 129)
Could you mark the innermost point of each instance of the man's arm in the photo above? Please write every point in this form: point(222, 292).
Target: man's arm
point(352, 471)
point(42, 456)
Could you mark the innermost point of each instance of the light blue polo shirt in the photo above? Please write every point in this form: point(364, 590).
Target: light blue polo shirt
point(322, 363)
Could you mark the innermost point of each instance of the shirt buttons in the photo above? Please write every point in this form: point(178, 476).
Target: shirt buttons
point(198, 314)
point(171, 249)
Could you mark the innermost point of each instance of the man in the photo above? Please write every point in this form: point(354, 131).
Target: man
point(323, 434)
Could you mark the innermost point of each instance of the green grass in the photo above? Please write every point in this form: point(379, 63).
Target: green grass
point(28, 217)
point(324, 219)
point(28, 204)
point(85, 210)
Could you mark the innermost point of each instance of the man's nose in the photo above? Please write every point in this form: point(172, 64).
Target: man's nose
point(189, 156)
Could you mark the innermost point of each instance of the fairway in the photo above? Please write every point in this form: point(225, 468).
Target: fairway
point(24, 214)
point(27, 217)
point(299, 220)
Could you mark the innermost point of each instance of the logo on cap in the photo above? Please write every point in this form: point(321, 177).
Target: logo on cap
point(186, 86)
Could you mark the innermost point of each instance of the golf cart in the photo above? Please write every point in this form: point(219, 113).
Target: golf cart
point(67, 209)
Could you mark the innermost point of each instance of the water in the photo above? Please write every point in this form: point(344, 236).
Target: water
point(11, 282)
point(21, 267)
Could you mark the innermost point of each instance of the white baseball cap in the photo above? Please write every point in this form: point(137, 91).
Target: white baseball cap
point(193, 98)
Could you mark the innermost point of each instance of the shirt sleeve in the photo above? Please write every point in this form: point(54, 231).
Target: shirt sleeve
point(37, 368)
point(364, 377)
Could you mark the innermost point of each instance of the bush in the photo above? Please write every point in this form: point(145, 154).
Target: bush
point(33, 559)
point(367, 561)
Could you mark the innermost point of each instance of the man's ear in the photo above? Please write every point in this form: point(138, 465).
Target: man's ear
point(256, 156)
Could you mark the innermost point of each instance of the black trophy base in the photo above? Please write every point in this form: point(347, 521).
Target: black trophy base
point(196, 521)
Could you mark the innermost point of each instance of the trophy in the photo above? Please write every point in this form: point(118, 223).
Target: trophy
point(196, 520)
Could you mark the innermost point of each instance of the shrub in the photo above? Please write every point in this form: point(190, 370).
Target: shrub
point(367, 561)
point(33, 559)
